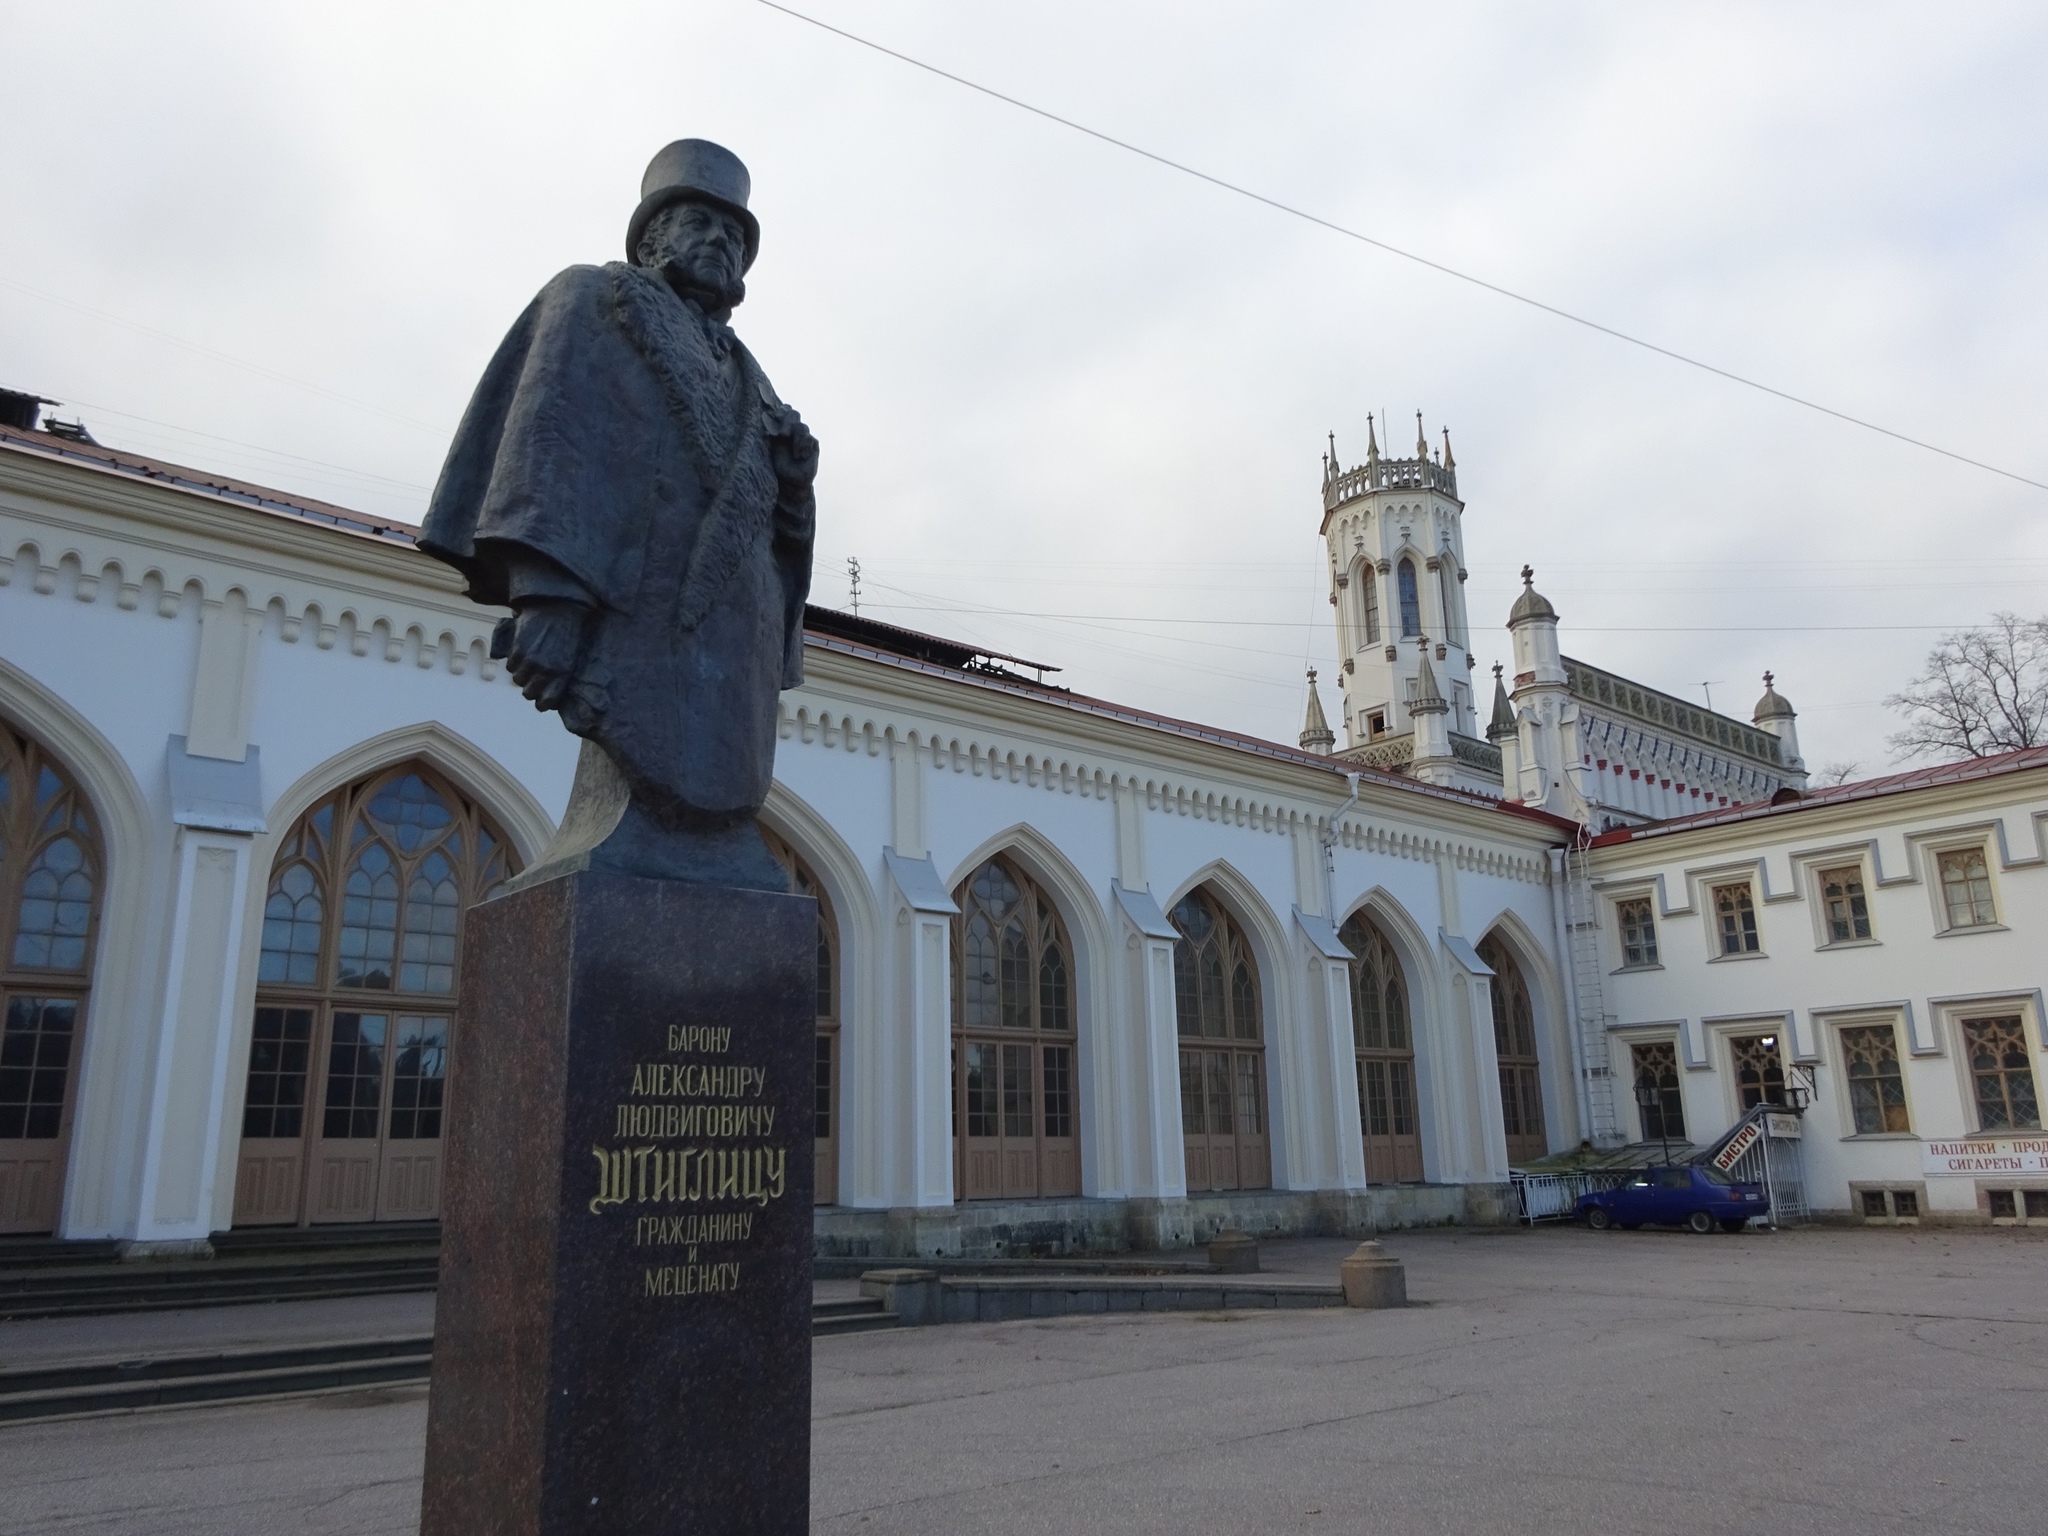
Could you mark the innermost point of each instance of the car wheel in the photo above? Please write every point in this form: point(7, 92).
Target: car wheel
point(1598, 1219)
point(1700, 1221)
point(1734, 1223)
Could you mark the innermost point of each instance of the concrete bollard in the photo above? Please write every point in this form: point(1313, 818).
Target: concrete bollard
point(1234, 1252)
point(1372, 1277)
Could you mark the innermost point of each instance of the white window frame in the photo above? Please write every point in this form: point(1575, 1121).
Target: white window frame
point(1937, 891)
point(1710, 889)
point(1818, 868)
point(1648, 896)
point(1902, 1046)
point(1955, 1012)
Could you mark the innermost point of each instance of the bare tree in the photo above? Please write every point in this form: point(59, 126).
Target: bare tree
point(1835, 773)
point(1984, 691)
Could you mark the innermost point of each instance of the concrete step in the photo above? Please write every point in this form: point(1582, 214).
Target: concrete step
point(71, 1391)
point(153, 1286)
point(178, 1380)
point(859, 1314)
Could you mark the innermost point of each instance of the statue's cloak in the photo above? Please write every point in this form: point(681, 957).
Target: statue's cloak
point(625, 439)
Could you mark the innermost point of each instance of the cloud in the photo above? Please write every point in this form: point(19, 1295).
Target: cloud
point(1053, 379)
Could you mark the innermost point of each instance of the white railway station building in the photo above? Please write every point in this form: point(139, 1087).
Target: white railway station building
point(1087, 977)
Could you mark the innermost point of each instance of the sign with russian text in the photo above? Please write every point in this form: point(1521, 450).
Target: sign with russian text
point(1738, 1144)
point(1985, 1155)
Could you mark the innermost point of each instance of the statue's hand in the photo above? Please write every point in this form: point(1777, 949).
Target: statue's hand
point(793, 450)
point(547, 640)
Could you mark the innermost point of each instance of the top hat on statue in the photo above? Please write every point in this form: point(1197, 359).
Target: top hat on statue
point(694, 169)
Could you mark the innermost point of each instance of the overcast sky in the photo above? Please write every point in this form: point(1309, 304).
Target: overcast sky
point(1072, 404)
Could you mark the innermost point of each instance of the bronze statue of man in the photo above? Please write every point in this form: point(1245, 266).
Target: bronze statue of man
point(626, 480)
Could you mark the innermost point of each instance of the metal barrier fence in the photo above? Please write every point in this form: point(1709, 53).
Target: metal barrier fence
point(1555, 1196)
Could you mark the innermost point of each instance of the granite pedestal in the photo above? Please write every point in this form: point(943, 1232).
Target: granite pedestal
point(623, 1339)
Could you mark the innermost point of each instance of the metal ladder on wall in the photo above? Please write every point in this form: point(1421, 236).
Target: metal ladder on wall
point(1582, 933)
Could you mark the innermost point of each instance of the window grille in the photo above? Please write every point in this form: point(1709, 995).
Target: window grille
point(1638, 932)
point(1013, 1016)
point(1411, 600)
point(1877, 1087)
point(2002, 1074)
point(363, 919)
point(1966, 888)
point(1737, 916)
point(1759, 1070)
point(1656, 1067)
point(1222, 1049)
point(1383, 1049)
point(1514, 1045)
point(1842, 901)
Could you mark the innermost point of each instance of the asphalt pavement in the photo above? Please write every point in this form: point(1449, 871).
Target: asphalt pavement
point(1551, 1382)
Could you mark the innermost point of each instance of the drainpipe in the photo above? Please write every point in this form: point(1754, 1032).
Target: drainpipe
point(1569, 957)
point(1330, 851)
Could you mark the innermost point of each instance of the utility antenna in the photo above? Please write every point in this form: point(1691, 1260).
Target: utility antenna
point(853, 579)
point(1708, 689)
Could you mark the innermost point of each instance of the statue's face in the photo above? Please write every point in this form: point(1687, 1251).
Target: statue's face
point(698, 244)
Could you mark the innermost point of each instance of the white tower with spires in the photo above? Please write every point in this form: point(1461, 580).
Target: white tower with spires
point(1394, 529)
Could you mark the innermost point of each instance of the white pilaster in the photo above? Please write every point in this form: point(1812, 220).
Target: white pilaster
point(184, 1128)
point(915, 1057)
point(1145, 1049)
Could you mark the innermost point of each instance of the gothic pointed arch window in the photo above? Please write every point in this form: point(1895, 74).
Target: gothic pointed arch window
point(1383, 1049)
point(1411, 599)
point(1447, 594)
point(356, 986)
point(52, 873)
point(1014, 1087)
point(1222, 1031)
point(1514, 1046)
point(826, 989)
point(1368, 583)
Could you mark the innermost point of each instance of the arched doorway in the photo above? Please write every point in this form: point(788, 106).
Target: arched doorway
point(52, 871)
point(1013, 1041)
point(1514, 1044)
point(827, 990)
point(1383, 1043)
point(1222, 1049)
point(356, 988)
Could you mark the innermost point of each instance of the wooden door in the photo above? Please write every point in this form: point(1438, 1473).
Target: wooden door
point(1223, 1119)
point(981, 1143)
point(347, 1132)
point(1059, 1149)
point(38, 1080)
point(1013, 1054)
point(1514, 1045)
point(826, 1127)
point(272, 1168)
point(1384, 1048)
point(409, 1180)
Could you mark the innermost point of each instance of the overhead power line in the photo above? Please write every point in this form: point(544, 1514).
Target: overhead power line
point(1405, 255)
point(216, 354)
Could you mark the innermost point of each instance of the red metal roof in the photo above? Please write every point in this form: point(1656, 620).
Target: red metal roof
point(1841, 794)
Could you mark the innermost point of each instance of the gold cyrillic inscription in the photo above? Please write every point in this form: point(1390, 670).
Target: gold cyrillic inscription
point(691, 1279)
point(643, 1174)
point(667, 1122)
point(696, 1037)
point(687, 1231)
point(688, 1080)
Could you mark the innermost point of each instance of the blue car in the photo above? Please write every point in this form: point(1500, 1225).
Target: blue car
point(1681, 1195)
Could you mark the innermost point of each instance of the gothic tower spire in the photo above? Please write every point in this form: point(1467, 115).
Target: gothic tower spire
point(1316, 735)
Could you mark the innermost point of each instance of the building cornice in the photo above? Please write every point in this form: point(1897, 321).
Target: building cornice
point(1823, 824)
